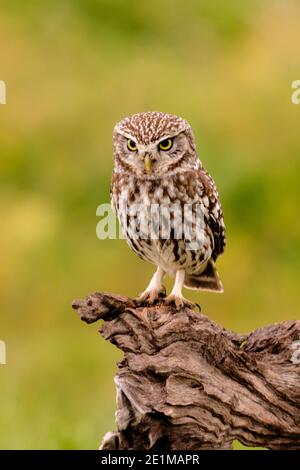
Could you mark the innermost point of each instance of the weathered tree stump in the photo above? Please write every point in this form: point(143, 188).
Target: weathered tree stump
point(186, 383)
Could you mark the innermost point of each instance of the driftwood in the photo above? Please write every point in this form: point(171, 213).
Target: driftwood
point(186, 383)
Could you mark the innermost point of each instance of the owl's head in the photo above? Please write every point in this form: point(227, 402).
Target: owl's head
point(154, 144)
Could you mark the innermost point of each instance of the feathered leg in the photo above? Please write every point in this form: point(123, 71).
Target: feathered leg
point(154, 289)
point(176, 294)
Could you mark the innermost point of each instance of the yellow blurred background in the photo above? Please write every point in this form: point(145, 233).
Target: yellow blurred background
point(72, 69)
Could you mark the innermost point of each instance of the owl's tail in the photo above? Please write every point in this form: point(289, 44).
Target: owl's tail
point(208, 280)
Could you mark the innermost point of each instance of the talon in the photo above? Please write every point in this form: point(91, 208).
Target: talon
point(180, 302)
point(148, 297)
point(154, 291)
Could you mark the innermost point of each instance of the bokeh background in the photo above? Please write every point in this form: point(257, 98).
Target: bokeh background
point(72, 69)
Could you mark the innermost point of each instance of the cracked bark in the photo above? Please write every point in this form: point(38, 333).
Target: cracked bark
point(186, 383)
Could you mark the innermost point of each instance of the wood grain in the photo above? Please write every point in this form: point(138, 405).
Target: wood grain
point(187, 383)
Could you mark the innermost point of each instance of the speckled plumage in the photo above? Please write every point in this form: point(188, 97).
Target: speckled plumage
point(151, 127)
point(178, 178)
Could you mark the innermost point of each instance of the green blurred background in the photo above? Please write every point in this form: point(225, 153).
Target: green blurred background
point(72, 69)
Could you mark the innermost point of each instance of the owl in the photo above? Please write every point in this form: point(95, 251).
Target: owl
point(167, 204)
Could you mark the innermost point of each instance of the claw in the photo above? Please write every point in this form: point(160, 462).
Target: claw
point(180, 302)
point(149, 297)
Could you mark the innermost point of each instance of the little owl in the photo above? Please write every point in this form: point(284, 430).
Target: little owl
point(158, 189)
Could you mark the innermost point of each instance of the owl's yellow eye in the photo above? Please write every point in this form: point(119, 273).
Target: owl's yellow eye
point(131, 145)
point(165, 144)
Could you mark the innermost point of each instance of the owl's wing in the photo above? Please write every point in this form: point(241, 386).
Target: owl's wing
point(214, 213)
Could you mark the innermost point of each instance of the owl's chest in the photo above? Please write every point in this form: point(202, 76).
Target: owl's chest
point(176, 189)
point(140, 205)
point(151, 214)
point(155, 208)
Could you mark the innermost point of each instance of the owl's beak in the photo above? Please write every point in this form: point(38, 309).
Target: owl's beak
point(148, 163)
